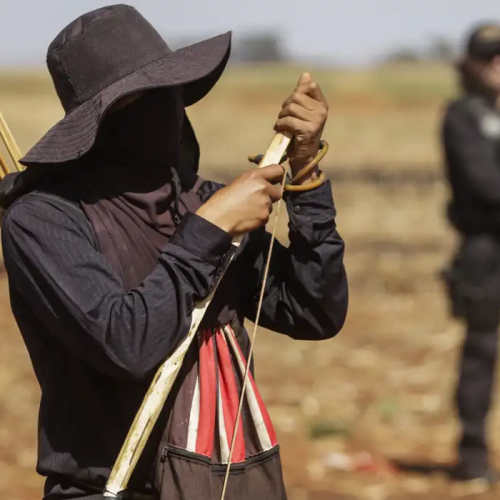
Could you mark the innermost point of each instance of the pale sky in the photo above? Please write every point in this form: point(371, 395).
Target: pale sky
point(345, 31)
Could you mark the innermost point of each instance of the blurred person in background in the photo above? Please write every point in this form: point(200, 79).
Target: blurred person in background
point(471, 141)
point(111, 237)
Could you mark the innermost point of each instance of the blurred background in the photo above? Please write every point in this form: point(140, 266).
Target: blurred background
point(346, 410)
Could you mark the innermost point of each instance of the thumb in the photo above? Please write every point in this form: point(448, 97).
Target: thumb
point(271, 173)
point(304, 80)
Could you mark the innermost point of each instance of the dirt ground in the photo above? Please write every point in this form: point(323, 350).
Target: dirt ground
point(384, 386)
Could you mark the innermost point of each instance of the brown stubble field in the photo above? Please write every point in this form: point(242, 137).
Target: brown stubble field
point(384, 385)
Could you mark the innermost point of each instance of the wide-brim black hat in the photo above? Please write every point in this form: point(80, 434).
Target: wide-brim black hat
point(107, 54)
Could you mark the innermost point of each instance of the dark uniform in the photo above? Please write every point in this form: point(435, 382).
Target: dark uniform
point(471, 136)
point(471, 139)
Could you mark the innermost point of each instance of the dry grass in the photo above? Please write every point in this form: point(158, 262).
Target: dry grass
point(385, 116)
point(385, 383)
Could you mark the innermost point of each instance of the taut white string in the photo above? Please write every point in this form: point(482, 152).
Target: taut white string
point(254, 333)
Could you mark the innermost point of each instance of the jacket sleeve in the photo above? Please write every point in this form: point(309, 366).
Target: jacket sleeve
point(471, 152)
point(306, 293)
point(72, 291)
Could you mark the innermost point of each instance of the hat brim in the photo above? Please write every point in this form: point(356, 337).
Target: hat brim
point(196, 67)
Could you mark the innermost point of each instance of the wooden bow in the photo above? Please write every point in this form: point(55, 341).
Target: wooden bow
point(165, 377)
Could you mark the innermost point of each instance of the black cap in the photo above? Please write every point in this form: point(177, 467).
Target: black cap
point(483, 43)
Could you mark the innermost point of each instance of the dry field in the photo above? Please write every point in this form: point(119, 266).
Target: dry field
point(384, 385)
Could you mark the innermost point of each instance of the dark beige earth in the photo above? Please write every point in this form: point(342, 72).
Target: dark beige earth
point(384, 385)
